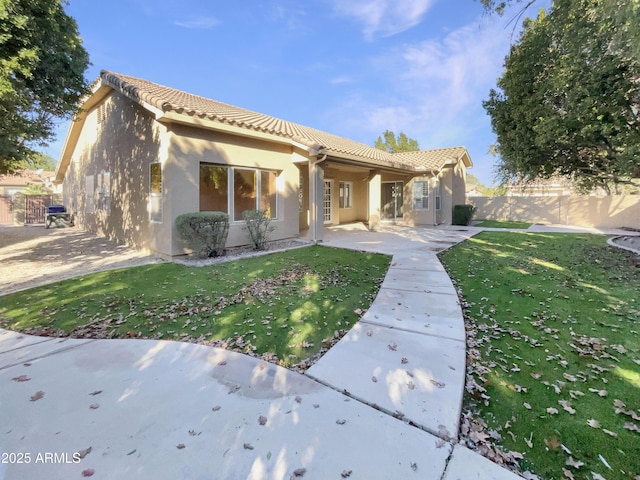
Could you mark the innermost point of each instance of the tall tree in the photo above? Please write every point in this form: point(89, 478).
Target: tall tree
point(569, 99)
point(42, 65)
point(392, 144)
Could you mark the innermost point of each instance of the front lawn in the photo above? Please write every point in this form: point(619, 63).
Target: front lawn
point(553, 324)
point(502, 224)
point(284, 306)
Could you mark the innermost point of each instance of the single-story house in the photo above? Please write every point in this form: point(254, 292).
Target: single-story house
point(139, 154)
point(20, 180)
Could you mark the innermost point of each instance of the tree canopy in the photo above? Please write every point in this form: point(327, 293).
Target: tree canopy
point(42, 65)
point(569, 98)
point(392, 144)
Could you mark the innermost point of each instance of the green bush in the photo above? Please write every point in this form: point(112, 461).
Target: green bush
point(257, 224)
point(205, 232)
point(462, 214)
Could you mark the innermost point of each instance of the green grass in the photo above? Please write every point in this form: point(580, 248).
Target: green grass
point(284, 304)
point(553, 321)
point(502, 224)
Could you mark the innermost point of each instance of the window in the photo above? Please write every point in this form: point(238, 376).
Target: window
point(346, 194)
point(268, 193)
point(104, 193)
point(235, 190)
point(155, 192)
point(88, 192)
point(421, 195)
point(437, 193)
point(214, 192)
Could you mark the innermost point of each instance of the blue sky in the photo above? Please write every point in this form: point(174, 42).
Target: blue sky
point(350, 67)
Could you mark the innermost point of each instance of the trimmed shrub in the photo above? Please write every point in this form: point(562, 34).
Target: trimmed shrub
point(462, 214)
point(257, 224)
point(205, 232)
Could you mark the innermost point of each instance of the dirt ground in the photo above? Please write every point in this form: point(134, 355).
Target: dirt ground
point(34, 256)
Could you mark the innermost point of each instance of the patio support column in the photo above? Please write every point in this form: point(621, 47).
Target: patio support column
point(375, 195)
point(316, 200)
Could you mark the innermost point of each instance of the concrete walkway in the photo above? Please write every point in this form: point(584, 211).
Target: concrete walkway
point(383, 403)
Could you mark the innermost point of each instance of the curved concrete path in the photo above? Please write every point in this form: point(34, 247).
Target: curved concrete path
point(386, 403)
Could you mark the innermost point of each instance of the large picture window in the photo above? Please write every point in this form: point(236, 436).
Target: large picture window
point(235, 190)
point(421, 195)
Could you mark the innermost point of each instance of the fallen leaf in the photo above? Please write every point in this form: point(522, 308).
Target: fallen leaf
point(21, 378)
point(216, 408)
point(299, 472)
point(568, 474)
point(609, 432)
point(341, 422)
point(414, 466)
point(374, 379)
point(94, 406)
point(83, 453)
point(527, 406)
point(604, 462)
point(529, 441)
point(180, 446)
point(404, 360)
point(345, 473)
point(553, 443)
point(88, 472)
point(593, 423)
point(248, 446)
point(97, 392)
point(393, 346)
point(631, 426)
point(262, 420)
point(574, 463)
point(597, 476)
point(552, 411)
point(438, 383)
point(37, 396)
point(298, 399)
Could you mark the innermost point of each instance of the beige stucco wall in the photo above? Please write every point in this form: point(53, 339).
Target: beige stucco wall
point(611, 212)
point(191, 146)
point(121, 143)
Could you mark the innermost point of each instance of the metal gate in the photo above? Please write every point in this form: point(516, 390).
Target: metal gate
point(35, 208)
point(6, 209)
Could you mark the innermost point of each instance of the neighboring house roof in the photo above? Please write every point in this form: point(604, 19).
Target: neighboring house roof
point(24, 178)
point(177, 105)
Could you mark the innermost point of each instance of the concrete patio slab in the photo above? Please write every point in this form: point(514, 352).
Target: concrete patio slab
point(429, 314)
point(420, 376)
point(468, 465)
point(150, 409)
point(33, 347)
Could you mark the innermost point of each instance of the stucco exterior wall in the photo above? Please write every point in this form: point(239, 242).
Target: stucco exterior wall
point(191, 146)
point(117, 143)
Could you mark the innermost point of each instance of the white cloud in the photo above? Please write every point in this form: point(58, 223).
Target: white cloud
point(199, 23)
point(384, 17)
point(341, 80)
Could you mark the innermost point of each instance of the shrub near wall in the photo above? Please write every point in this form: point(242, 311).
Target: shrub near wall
point(205, 232)
point(462, 214)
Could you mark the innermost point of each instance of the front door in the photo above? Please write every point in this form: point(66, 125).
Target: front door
point(327, 204)
point(392, 200)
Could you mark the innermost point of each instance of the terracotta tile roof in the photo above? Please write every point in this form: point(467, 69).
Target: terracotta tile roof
point(170, 99)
